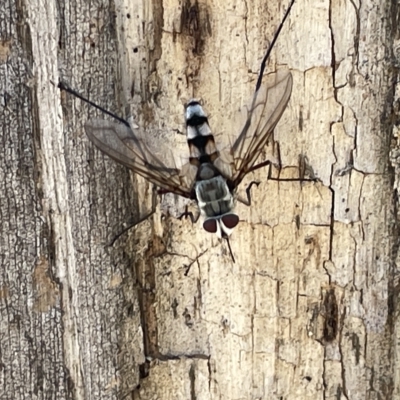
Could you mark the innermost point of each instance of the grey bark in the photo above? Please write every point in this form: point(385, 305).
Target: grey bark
point(308, 311)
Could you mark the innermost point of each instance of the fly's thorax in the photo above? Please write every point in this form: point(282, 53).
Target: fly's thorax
point(213, 196)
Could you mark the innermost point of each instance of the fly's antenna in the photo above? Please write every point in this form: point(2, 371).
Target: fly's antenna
point(63, 86)
point(274, 39)
point(230, 250)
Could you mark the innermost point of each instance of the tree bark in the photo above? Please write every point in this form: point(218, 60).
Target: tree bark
point(309, 309)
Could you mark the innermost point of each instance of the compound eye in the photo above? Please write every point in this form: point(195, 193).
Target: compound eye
point(210, 225)
point(230, 220)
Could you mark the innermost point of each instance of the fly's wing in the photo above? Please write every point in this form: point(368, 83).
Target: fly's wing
point(130, 149)
point(267, 106)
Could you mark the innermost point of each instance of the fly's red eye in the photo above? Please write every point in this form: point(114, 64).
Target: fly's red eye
point(210, 225)
point(230, 220)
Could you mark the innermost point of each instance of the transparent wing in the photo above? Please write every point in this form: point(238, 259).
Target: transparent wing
point(126, 147)
point(267, 106)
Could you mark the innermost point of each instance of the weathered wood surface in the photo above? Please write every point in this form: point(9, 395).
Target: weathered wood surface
point(308, 311)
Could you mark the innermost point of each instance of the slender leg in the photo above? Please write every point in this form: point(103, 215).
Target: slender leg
point(305, 169)
point(189, 214)
point(132, 224)
point(261, 165)
point(276, 161)
point(247, 200)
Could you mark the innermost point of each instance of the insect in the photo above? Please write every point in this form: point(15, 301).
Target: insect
point(211, 176)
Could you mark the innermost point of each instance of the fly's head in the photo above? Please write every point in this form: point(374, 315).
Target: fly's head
point(222, 225)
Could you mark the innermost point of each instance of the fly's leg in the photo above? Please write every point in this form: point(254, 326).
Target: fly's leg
point(306, 172)
point(186, 213)
point(189, 214)
point(275, 161)
point(63, 86)
point(261, 165)
point(136, 222)
point(247, 201)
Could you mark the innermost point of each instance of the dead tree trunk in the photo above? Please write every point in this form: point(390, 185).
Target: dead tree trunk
point(308, 311)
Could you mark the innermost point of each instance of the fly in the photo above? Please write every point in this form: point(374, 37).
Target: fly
point(211, 176)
